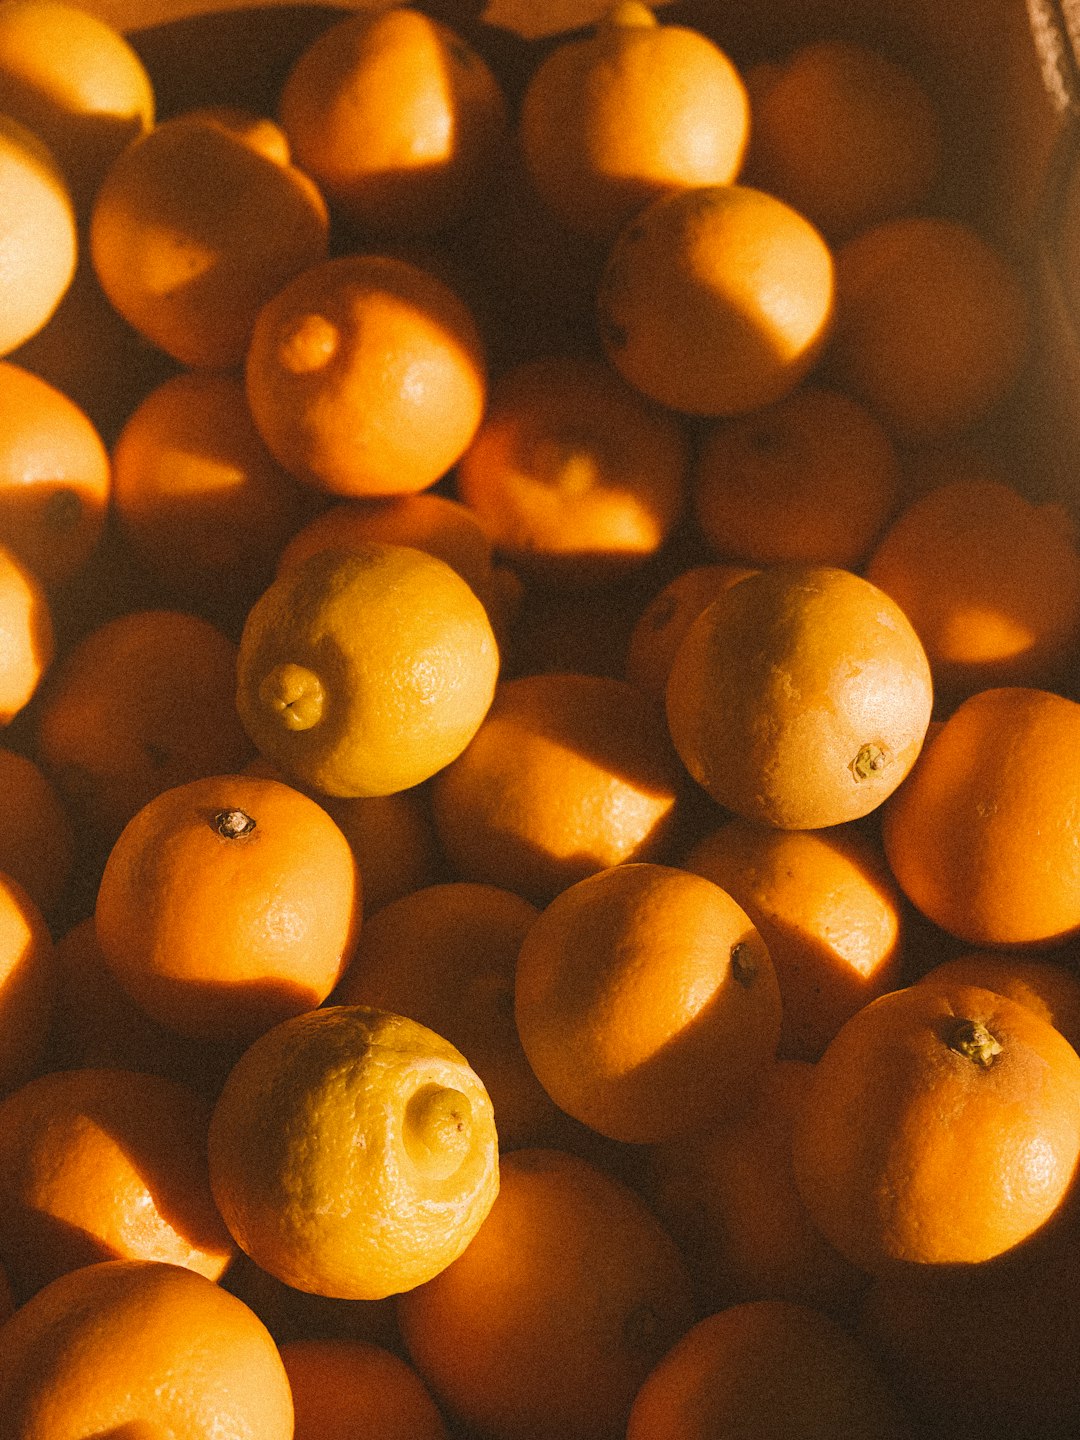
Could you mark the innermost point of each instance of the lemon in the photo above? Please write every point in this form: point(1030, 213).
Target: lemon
point(363, 672)
point(353, 1152)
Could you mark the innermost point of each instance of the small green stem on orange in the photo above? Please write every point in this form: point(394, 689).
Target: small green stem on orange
point(974, 1041)
point(233, 824)
point(870, 759)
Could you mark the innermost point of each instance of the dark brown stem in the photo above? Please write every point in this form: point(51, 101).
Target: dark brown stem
point(743, 964)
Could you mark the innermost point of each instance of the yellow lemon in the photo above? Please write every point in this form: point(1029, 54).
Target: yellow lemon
point(363, 672)
point(353, 1152)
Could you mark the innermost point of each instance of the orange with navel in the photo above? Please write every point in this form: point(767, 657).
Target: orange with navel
point(228, 904)
point(942, 1128)
point(800, 697)
point(646, 1002)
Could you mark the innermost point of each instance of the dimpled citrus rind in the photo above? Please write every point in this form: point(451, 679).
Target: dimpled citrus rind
point(353, 1153)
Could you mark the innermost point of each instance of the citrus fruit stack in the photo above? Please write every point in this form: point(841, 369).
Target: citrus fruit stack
point(540, 894)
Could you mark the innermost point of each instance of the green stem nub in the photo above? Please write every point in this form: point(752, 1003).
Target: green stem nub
point(974, 1041)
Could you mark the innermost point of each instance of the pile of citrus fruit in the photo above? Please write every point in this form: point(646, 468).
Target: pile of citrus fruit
point(540, 864)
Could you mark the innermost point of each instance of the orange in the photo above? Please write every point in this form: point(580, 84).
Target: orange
point(658, 630)
point(567, 1296)
point(646, 1002)
point(55, 479)
point(445, 956)
point(1050, 987)
point(811, 480)
point(397, 118)
point(567, 775)
point(632, 110)
point(572, 473)
point(27, 635)
point(345, 1389)
point(143, 702)
point(767, 1370)
point(826, 907)
point(105, 1165)
point(932, 325)
point(716, 299)
point(37, 845)
point(366, 375)
point(98, 1026)
point(38, 234)
point(392, 838)
point(982, 836)
point(353, 1152)
point(942, 1127)
point(27, 984)
point(193, 230)
point(197, 495)
point(364, 671)
point(800, 697)
point(228, 904)
point(135, 1348)
point(728, 1196)
point(73, 79)
point(995, 1347)
point(991, 581)
point(845, 134)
